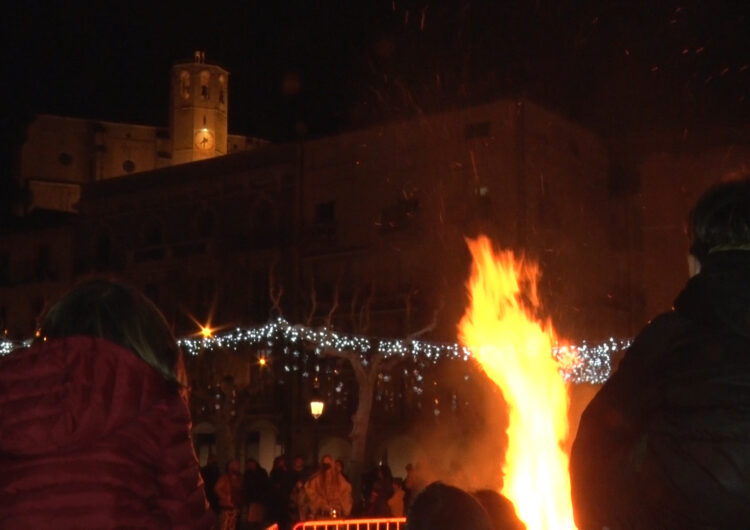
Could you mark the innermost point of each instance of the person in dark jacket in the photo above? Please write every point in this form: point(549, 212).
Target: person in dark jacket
point(255, 493)
point(93, 431)
point(665, 443)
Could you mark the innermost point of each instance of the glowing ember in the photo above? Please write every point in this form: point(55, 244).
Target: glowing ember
point(514, 349)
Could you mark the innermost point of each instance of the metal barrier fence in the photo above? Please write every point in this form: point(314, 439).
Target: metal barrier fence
point(378, 523)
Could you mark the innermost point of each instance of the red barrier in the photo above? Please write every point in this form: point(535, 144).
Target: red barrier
point(377, 523)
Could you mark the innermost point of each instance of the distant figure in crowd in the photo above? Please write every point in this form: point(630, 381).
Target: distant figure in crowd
point(255, 491)
point(379, 493)
point(396, 502)
point(501, 511)
point(414, 482)
point(229, 491)
point(298, 505)
point(443, 507)
point(328, 493)
point(280, 488)
point(94, 432)
point(666, 441)
point(211, 473)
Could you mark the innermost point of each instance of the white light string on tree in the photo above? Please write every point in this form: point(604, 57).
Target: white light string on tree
point(584, 363)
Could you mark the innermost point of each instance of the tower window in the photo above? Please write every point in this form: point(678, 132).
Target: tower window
point(205, 77)
point(185, 84)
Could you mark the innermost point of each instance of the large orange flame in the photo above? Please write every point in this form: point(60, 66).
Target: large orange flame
point(515, 350)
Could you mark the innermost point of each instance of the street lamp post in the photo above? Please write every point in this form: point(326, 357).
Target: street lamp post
point(317, 405)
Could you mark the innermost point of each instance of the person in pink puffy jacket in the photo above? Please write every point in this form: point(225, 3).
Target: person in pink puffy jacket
point(94, 432)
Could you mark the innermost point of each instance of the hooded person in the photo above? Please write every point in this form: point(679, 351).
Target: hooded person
point(665, 443)
point(94, 432)
point(329, 494)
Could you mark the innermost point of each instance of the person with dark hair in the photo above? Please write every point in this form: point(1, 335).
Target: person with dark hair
point(280, 488)
point(211, 473)
point(381, 491)
point(443, 507)
point(94, 432)
point(229, 492)
point(299, 506)
point(255, 492)
point(501, 511)
point(665, 442)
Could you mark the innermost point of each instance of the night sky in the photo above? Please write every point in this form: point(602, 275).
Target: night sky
point(310, 68)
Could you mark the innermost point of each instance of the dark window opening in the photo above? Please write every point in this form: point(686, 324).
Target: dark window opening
point(65, 159)
point(206, 224)
point(103, 251)
point(204, 91)
point(152, 234)
point(128, 166)
point(325, 212)
point(477, 130)
point(399, 216)
point(43, 267)
point(325, 219)
point(4, 267)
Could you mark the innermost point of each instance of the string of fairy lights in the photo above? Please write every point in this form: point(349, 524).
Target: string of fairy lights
point(584, 363)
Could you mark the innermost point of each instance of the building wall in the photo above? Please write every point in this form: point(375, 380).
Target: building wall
point(387, 209)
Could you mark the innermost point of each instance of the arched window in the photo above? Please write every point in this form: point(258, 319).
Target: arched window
point(205, 78)
point(185, 84)
point(222, 90)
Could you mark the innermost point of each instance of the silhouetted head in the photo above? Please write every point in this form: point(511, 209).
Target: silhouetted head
point(501, 511)
point(443, 507)
point(720, 219)
point(326, 462)
point(112, 310)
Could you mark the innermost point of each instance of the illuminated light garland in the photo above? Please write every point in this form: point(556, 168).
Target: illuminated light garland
point(578, 364)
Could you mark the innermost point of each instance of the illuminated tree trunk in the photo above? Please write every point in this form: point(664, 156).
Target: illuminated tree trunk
point(366, 382)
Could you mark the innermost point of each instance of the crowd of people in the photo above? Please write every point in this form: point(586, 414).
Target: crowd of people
point(291, 492)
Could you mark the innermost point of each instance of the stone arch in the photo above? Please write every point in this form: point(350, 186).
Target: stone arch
point(204, 440)
point(259, 441)
point(339, 448)
point(398, 451)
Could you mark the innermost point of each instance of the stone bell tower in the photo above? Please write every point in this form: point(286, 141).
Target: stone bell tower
point(198, 110)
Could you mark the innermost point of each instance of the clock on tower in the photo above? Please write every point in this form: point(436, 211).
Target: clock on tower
point(204, 140)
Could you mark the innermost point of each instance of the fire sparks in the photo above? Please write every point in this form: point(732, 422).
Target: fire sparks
point(514, 349)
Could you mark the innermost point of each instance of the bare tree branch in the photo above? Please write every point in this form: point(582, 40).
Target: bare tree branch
point(429, 326)
point(313, 302)
point(274, 293)
point(334, 304)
